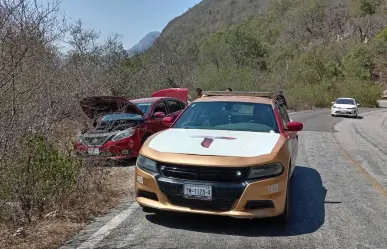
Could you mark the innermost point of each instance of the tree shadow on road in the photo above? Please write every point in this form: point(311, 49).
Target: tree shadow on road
point(307, 213)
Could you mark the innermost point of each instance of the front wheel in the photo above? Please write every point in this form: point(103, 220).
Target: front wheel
point(284, 218)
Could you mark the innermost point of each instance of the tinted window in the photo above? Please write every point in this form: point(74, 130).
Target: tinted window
point(160, 107)
point(237, 116)
point(345, 101)
point(174, 106)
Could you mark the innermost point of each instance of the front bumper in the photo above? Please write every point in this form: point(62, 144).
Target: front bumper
point(108, 151)
point(258, 199)
point(344, 112)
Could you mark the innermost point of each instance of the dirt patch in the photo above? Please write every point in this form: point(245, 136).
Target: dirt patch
point(59, 225)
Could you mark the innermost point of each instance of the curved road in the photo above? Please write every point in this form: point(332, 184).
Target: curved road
point(339, 199)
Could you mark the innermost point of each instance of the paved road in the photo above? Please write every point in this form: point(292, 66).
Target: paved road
point(339, 199)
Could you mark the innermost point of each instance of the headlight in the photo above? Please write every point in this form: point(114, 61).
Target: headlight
point(146, 164)
point(79, 140)
point(266, 171)
point(335, 106)
point(123, 134)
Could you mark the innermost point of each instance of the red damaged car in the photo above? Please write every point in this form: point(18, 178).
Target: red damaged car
point(121, 126)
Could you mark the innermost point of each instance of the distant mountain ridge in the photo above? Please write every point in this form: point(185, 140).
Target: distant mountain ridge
point(144, 43)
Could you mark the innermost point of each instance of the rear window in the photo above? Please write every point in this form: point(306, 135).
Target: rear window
point(236, 116)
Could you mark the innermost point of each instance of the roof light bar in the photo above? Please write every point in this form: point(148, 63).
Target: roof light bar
point(269, 95)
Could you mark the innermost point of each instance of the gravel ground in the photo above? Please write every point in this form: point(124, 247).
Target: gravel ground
point(339, 198)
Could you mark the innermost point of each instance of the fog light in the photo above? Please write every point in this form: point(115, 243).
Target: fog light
point(125, 152)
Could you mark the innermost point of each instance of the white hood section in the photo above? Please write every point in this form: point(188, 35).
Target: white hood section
point(214, 142)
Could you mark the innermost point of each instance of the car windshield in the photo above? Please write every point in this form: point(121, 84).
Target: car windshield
point(345, 101)
point(144, 107)
point(235, 116)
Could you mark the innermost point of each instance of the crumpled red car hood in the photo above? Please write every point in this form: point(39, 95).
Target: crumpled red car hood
point(97, 105)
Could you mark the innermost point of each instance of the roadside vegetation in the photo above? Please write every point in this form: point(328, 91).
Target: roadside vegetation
point(314, 50)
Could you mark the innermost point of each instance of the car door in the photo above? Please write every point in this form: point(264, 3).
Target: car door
point(175, 107)
point(291, 136)
point(155, 124)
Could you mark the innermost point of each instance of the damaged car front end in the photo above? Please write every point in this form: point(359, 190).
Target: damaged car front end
point(116, 128)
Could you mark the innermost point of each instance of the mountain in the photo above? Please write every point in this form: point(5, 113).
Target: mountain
point(314, 50)
point(144, 43)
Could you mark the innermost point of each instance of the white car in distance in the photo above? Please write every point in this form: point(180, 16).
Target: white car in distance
point(344, 107)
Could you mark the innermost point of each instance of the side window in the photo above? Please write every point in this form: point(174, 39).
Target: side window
point(160, 107)
point(283, 115)
point(174, 106)
point(182, 105)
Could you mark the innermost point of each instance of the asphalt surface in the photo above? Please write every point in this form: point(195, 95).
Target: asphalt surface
point(339, 199)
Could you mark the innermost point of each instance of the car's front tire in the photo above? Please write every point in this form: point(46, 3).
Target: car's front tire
point(284, 218)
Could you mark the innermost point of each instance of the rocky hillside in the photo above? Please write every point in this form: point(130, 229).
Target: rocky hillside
point(144, 43)
point(315, 50)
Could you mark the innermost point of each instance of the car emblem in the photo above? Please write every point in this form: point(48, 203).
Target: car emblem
point(207, 140)
point(94, 141)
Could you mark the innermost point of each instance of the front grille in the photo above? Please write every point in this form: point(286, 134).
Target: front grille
point(95, 141)
point(224, 194)
point(214, 205)
point(218, 174)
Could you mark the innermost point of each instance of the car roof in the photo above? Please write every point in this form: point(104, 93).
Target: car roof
point(346, 98)
point(247, 99)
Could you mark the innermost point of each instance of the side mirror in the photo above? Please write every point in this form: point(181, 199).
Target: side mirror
point(357, 104)
point(295, 126)
point(167, 121)
point(158, 114)
point(332, 103)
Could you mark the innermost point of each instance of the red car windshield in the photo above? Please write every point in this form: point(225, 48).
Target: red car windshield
point(236, 116)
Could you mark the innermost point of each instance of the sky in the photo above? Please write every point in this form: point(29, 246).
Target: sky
point(132, 19)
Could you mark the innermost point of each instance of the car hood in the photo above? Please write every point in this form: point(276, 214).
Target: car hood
point(214, 142)
point(97, 105)
point(179, 93)
point(344, 106)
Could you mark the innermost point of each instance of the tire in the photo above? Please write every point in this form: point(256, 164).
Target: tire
point(284, 218)
point(333, 115)
point(144, 138)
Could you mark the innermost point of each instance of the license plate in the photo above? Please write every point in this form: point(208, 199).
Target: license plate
point(202, 192)
point(93, 151)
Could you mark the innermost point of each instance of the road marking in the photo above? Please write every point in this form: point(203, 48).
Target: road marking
point(357, 166)
point(104, 231)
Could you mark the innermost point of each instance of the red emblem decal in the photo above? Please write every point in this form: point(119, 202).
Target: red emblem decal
point(207, 141)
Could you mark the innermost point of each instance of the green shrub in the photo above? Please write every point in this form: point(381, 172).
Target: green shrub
point(40, 176)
